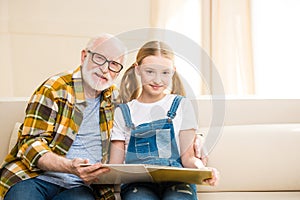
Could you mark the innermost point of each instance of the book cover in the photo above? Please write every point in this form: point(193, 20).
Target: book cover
point(127, 173)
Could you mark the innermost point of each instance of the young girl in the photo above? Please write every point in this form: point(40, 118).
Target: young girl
point(155, 126)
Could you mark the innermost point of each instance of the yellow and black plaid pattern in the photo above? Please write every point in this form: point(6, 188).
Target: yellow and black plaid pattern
point(53, 116)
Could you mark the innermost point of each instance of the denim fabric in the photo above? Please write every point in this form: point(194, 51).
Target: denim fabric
point(36, 189)
point(154, 143)
point(154, 191)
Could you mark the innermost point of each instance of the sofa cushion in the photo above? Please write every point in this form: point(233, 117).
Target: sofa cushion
point(262, 157)
point(249, 195)
point(14, 136)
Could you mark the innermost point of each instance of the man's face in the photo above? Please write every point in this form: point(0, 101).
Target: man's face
point(97, 77)
point(101, 76)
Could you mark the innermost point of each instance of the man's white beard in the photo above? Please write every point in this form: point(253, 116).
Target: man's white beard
point(87, 77)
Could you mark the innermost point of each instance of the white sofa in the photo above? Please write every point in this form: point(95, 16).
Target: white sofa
point(257, 152)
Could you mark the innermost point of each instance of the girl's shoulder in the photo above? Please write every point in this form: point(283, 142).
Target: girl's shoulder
point(172, 97)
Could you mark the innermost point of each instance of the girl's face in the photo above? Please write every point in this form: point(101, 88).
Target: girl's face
point(156, 75)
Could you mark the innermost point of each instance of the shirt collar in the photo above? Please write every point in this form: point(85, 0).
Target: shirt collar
point(78, 86)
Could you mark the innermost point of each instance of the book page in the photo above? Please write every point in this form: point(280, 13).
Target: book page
point(125, 173)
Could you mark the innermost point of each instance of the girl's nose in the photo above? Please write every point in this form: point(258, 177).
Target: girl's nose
point(157, 78)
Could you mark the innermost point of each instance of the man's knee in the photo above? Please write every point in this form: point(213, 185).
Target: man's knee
point(30, 189)
point(20, 190)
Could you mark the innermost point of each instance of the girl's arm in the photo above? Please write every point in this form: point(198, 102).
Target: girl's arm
point(188, 158)
point(117, 152)
point(117, 138)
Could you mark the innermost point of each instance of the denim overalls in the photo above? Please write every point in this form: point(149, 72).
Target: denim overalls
point(154, 143)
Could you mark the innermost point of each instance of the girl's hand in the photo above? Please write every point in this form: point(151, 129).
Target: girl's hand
point(215, 179)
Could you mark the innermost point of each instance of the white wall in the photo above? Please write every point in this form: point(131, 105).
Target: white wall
point(276, 45)
point(39, 38)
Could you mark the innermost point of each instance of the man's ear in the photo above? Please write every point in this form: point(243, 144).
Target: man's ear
point(83, 56)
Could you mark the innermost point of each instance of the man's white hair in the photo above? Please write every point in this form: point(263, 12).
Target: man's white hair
point(95, 41)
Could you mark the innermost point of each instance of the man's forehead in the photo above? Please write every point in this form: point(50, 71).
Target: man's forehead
point(110, 48)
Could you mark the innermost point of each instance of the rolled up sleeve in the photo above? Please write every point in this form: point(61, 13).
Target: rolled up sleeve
point(31, 151)
point(38, 128)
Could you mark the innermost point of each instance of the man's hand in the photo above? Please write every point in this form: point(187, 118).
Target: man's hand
point(89, 173)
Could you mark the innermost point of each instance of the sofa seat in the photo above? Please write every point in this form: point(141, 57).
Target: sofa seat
point(256, 161)
point(249, 195)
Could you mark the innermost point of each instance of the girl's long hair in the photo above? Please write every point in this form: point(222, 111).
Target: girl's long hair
point(130, 87)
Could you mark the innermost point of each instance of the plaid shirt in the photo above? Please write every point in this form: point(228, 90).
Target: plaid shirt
point(53, 116)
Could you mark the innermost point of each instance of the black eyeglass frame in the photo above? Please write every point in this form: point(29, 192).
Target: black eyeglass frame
point(106, 61)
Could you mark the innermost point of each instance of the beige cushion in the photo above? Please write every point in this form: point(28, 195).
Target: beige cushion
point(261, 157)
point(249, 195)
point(14, 136)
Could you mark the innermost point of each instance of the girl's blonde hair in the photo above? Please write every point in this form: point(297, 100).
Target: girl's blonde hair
point(130, 88)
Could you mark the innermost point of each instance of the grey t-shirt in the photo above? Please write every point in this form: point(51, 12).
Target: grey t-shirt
point(87, 145)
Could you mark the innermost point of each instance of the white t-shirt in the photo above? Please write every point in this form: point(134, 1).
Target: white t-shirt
point(147, 112)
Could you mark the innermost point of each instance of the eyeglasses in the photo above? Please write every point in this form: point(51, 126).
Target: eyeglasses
point(101, 60)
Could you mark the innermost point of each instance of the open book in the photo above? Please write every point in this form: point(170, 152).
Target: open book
point(126, 173)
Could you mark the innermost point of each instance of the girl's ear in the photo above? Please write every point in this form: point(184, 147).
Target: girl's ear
point(174, 69)
point(137, 69)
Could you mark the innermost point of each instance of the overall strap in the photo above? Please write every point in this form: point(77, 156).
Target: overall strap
point(126, 115)
point(172, 112)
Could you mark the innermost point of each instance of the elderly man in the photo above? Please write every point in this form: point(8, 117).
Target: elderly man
point(68, 122)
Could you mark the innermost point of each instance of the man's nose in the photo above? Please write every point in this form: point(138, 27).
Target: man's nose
point(104, 67)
